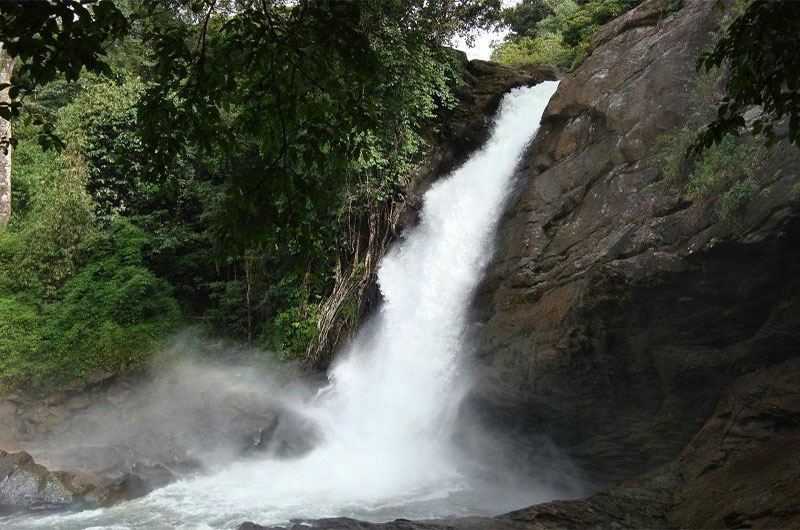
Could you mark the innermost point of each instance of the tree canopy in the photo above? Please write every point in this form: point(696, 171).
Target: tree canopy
point(555, 32)
point(55, 38)
point(214, 161)
point(329, 95)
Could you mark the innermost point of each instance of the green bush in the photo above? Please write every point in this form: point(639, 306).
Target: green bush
point(722, 174)
point(735, 199)
point(721, 166)
point(109, 316)
point(292, 330)
point(294, 325)
point(38, 253)
point(19, 341)
point(31, 170)
point(674, 165)
point(228, 316)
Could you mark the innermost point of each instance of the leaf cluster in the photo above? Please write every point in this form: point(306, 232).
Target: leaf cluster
point(329, 98)
point(55, 39)
point(759, 50)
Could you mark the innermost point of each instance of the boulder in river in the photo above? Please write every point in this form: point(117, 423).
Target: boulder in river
point(24, 484)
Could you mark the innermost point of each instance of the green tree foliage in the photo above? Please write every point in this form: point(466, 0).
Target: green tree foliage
point(109, 316)
point(40, 253)
point(555, 32)
point(314, 114)
point(548, 48)
point(77, 296)
point(52, 39)
point(213, 158)
point(101, 123)
point(759, 49)
point(523, 19)
point(332, 96)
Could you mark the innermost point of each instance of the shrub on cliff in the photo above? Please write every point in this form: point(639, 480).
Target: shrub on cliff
point(721, 174)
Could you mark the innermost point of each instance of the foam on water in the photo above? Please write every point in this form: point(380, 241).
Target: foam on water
point(387, 415)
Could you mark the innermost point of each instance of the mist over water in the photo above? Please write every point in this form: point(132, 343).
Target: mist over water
point(387, 418)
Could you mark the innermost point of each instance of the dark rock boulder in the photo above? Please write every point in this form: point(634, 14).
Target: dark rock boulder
point(24, 484)
point(345, 523)
point(288, 435)
point(114, 490)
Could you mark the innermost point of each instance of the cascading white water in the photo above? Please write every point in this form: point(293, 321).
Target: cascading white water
point(386, 417)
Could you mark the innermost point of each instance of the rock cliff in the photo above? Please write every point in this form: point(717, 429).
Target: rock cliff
point(618, 307)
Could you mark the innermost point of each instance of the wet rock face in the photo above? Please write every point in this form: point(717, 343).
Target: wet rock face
point(26, 484)
point(613, 316)
point(742, 470)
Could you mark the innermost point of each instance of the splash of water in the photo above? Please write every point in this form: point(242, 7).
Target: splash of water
point(387, 415)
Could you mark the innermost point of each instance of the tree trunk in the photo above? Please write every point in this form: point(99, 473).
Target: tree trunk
point(6, 66)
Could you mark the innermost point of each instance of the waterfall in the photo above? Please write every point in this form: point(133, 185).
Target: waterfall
point(386, 418)
point(394, 392)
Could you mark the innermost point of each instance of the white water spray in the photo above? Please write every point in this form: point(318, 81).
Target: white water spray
point(386, 418)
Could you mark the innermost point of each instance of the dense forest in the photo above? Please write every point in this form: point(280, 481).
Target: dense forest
point(270, 132)
point(212, 163)
point(210, 166)
point(557, 32)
